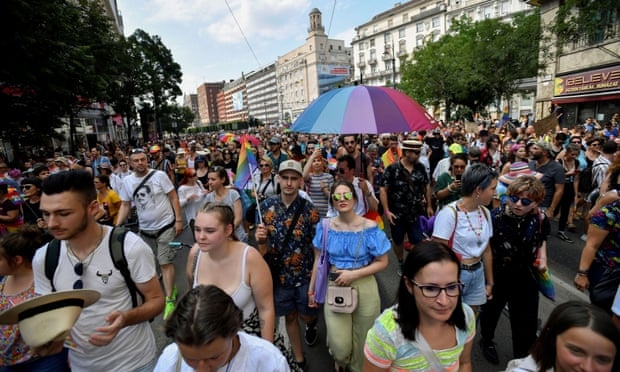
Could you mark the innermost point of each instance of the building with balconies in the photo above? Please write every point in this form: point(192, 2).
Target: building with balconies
point(262, 92)
point(208, 109)
point(235, 101)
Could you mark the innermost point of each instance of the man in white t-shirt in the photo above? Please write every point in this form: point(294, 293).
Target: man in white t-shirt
point(159, 216)
point(110, 333)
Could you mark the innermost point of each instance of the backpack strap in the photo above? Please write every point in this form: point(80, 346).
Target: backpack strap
point(52, 255)
point(456, 221)
point(117, 252)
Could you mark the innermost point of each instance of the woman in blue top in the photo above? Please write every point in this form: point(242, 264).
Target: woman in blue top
point(357, 250)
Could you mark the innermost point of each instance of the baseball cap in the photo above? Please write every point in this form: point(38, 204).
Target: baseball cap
point(291, 165)
point(455, 148)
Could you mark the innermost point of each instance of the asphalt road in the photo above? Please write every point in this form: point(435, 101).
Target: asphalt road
point(563, 259)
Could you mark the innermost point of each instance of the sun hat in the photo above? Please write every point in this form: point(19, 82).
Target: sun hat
point(291, 165)
point(49, 317)
point(412, 145)
point(180, 151)
point(517, 169)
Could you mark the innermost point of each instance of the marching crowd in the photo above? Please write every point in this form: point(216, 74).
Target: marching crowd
point(466, 212)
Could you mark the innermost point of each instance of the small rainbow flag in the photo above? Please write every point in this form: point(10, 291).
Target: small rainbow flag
point(332, 163)
point(388, 157)
point(15, 196)
point(245, 166)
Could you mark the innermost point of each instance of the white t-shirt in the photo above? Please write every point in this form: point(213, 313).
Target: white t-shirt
point(191, 207)
point(465, 240)
point(254, 355)
point(134, 346)
point(152, 203)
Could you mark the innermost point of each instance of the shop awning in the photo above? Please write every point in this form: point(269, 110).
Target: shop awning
point(606, 96)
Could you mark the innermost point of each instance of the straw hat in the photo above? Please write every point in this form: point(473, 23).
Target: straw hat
point(49, 317)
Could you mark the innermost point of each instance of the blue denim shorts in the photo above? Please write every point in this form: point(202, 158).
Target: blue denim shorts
point(289, 299)
point(474, 292)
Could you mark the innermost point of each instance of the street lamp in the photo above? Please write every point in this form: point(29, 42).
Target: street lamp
point(386, 55)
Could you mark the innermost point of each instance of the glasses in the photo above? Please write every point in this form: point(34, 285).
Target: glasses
point(341, 170)
point(433, 291)
point(26, 187)
point(344, 196)
point(349, 143)
point(595, 144)
point(524, 201)
point(577, 142)
point(137, 151)
point(264, 165)
point(78, 269)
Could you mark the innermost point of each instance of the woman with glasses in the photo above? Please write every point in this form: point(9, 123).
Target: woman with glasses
point(31, 188)
point(519, 249)
point(191, 194)
point(318, 182)
point(429, 327)
point(220, 192)
point(357, 250)
point(465, 226)
point(448, 186)
point(265, 181)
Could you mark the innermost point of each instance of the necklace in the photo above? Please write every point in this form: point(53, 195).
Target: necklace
point(90, 254)
point(478, 233)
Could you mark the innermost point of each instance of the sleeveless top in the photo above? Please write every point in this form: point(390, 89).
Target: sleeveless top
point(242, 296)
point(13, 350)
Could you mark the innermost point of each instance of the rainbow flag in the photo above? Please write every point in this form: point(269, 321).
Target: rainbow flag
point(245, 166)
point(388, 157)
point(332, 163)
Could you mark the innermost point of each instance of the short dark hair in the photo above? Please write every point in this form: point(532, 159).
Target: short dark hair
point(205, 313)
point(24, 242)
point(476, 175)
point(350, 160)
point(78, 181)
point(424, 253)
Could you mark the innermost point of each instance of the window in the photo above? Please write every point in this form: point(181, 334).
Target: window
point(388, 65)
point(405, 18)
point(372, 43)
point(504, 8)
point(419, 27)
point(361, 56)
point(390, 22)
point(402, 33)
point(435, 22)
point(486, 12)
point(402, 47)
point(387, 38)
point(373, 54)
point(419, 41)
point(373, 69)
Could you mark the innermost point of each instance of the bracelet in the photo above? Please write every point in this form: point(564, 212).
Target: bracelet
point(582, 272)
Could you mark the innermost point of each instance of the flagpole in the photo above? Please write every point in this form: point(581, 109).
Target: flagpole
point(260, 215)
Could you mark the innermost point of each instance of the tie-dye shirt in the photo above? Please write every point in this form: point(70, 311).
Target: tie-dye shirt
point(387, 347)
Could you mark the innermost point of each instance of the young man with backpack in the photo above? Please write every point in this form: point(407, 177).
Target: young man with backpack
point(114, 331)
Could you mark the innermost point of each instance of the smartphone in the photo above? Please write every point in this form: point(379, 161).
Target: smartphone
point(458, 177)
point(333, 276)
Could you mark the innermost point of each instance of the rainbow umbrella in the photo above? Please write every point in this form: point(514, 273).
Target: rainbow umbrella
point(250, 139)
point(226, 137)
point(363, 109)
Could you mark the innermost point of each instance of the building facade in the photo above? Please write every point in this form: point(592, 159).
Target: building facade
point(583, 79)
point(208, 108)
point(262, 93)
point(191, 101)
point(234, 100)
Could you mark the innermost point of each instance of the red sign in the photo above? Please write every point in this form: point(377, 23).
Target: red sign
point(588, 82)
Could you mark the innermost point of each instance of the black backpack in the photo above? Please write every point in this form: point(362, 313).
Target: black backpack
point(117, 252)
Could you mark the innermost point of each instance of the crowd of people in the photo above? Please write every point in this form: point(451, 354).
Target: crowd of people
point(325, 213)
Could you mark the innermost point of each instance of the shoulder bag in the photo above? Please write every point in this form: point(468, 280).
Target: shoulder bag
point(322, 272)
point(344, 299)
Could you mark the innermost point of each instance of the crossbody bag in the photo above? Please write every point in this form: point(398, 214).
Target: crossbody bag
point(344, 299)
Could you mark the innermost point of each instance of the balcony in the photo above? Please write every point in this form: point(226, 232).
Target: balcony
point(372, 61)
point(361, 64)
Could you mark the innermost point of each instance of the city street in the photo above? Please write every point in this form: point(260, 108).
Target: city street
point(563, 260)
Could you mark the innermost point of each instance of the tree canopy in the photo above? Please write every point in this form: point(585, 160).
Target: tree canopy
point(475, 64)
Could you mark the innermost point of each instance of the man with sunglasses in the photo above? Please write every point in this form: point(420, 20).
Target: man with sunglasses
point(111, 333)
point(367, 201)
point(275, 153)
point(363, 164)
point(405, 196)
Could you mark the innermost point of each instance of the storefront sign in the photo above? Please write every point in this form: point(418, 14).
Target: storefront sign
point(588, 82)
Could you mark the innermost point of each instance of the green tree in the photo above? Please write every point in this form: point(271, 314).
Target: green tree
point(56, 64)
point(585, 22)
point(475, 64)
point(175, 118)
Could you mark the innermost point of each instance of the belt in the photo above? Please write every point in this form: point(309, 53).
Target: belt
point(158, 233)
point(472, 267)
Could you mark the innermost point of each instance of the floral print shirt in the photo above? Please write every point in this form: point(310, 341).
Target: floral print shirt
point(13, 350)
point(406, 191)
point(294, 261)
point(608, 218)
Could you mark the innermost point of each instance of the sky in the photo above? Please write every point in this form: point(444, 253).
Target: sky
point(207, 43)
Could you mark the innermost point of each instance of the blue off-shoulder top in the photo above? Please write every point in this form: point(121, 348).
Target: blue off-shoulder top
point(342, 246)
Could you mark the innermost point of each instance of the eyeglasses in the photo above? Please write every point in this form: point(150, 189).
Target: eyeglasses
point(78, 269)
point(26, 187)
point(595, 144)
point(344, 196)
point(137, 151)
point(264, 165)
point(433, 291)
point(524, 201)
point(349, 143)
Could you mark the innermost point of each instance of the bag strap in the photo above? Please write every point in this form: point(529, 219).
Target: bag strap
point(359, 242)
point(456, 221)
point(325, 225)
point(149, 175)
point(117, 253)
point(52, 255)
point(428, 353)
point(289, 232)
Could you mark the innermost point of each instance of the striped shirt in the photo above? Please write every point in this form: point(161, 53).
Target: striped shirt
point(313, 186)
point(386, 346)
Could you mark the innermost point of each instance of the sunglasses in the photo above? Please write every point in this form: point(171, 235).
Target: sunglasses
point(137, 151)
point(78, 269)
point(264, 165)
point(524, 201)
point(350, 143)
point(344, 196)
point(433, 291)
point(577, 142)
point(595, 144)
point(26, 187)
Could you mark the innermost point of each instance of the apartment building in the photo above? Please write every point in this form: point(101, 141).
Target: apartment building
point(232, 101)
point(262, 93)
point(191, 101)
point(208, 108)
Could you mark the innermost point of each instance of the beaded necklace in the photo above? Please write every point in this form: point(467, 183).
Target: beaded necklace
point(478, 233)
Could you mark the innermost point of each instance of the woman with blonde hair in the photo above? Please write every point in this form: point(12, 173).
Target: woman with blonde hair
point(191, 194)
